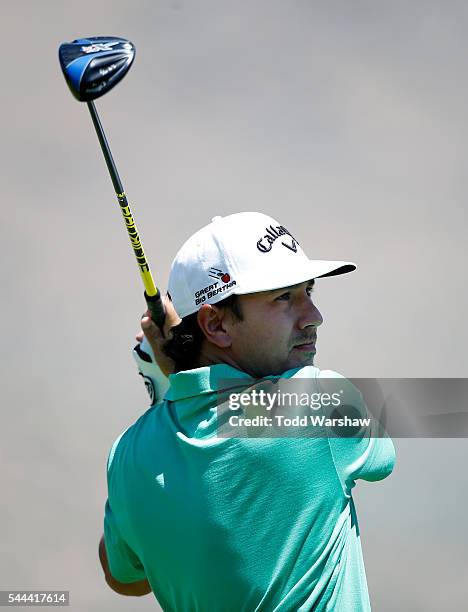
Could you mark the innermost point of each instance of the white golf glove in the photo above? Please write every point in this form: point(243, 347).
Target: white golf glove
point(155, 382)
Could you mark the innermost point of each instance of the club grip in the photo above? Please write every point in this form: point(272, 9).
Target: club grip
point(156, 308)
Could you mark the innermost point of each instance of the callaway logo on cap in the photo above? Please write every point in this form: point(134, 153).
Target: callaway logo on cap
point(242, 253)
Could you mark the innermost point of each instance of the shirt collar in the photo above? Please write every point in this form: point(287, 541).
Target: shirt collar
point(208, 379)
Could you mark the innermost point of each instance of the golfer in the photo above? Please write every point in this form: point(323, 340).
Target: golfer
point(210, 523)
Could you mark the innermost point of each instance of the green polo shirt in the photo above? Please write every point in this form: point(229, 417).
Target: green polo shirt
point(237, 524)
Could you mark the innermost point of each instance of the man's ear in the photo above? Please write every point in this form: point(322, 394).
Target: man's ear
point(212, 321)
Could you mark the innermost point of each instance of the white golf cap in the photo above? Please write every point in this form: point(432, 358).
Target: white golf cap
point(241, 253)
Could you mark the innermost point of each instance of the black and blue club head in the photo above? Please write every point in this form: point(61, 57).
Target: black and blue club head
point(93, 66)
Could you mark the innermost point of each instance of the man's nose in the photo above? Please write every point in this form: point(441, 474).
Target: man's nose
point(310, 315)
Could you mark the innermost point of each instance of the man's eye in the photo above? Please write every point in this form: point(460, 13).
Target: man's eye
point(310, 290)
point(284, 296)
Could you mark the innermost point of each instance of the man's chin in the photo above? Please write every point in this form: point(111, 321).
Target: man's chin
point(305, 359)
point(308, 358)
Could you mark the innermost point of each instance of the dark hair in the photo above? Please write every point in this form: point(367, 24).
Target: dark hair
point(187, 337)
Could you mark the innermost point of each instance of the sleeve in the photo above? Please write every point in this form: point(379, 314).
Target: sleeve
point(124, 564)
point(155, 382)
point(367, 455)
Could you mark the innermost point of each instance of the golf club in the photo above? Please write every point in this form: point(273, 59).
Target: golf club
point(92, 67)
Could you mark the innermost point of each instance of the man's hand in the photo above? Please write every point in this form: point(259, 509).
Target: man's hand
point(157, 339)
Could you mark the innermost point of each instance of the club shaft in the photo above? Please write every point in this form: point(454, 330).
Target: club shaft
point(105, 149)
point(152, 293)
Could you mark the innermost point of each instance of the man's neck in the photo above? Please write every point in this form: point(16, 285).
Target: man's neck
point(212, 355)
